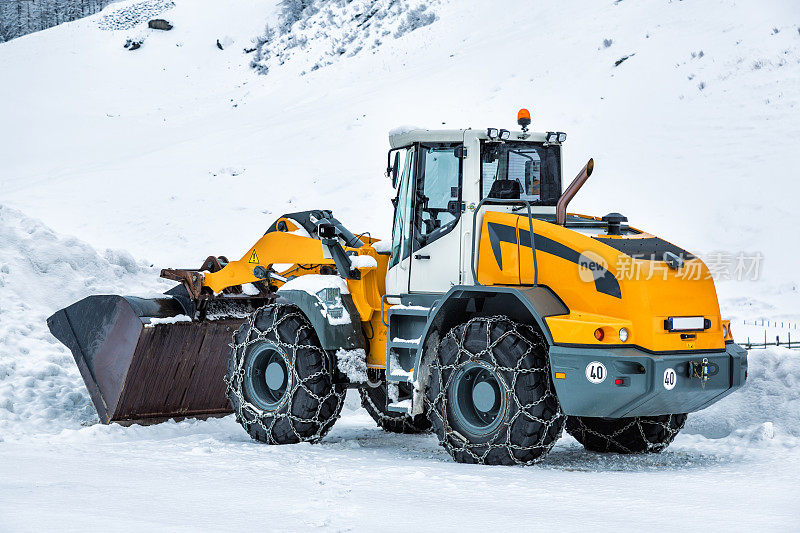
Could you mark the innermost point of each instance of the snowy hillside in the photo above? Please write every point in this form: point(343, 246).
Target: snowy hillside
point(115, 163)
point(321, 33)
point(179, 130)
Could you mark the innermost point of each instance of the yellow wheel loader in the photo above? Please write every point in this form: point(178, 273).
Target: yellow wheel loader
point(492, 317)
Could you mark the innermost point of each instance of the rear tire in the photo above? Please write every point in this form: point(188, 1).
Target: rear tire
point(641, 434)
point(490, 397)
point(373, 399)
point(280, 382)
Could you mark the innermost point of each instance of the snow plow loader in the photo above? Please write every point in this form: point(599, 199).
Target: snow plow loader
point(492, 317)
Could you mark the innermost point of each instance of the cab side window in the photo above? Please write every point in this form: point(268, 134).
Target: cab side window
point(438, 192)
point(401, 230)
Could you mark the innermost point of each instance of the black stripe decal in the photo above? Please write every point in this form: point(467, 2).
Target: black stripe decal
point(500, 233)
point(605, 282)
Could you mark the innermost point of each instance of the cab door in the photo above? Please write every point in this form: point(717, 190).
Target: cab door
point(436, 218)
point(397, 275)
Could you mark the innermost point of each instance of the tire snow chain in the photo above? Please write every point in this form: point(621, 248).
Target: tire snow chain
point(639, 423)
point(503, 438)
point(407, 420)
point(250, 413)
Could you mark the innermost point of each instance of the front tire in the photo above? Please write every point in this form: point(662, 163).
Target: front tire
point(280, 382)
point(641, 434)
point(490, 397)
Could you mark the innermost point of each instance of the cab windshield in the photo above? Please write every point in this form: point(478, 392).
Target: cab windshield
point(536, 167)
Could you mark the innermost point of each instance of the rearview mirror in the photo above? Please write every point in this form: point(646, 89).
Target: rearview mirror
point(395, 169)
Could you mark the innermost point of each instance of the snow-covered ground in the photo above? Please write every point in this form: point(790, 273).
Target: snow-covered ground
point(211, 476)
point(163, 155)
point(734, 468)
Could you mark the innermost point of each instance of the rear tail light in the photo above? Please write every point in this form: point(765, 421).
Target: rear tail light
point(598, 334)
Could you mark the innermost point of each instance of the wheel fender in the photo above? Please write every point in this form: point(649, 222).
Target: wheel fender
point(334, 330)
point(528, 305)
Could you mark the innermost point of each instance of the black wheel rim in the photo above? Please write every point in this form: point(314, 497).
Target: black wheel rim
point(477, 399)
point(266, 377)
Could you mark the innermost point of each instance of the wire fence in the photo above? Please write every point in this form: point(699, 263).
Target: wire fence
point(787, 327)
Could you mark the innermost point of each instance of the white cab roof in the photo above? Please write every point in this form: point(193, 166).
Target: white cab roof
point(399, 137)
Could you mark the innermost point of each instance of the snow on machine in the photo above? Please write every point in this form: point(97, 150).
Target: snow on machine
point(492, 317)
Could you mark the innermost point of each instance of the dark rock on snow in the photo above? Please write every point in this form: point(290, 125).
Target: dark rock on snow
point(159, 24)
point(130, 44)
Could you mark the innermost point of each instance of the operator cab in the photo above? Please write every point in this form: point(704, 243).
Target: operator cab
point(442, 175)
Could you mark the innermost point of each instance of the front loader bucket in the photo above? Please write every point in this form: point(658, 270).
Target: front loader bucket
point(138, 371)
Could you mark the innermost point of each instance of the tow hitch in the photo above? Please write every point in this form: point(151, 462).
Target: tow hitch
point(703, 370)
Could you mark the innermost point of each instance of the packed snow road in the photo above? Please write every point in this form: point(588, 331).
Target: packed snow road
point(210, 476)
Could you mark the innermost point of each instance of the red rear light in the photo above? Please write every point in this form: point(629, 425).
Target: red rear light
point(619, 381)
point(598, 334)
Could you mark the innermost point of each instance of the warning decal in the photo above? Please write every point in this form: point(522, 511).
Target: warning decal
point(253, 257)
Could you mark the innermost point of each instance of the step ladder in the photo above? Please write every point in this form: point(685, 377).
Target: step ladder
point(403, 338)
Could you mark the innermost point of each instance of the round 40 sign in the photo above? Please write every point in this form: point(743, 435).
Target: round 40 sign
point(670, 378)
point(596, 372)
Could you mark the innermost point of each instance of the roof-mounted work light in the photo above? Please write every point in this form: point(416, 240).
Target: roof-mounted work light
point(555, 136)
point(505, 135)
point(493, 133)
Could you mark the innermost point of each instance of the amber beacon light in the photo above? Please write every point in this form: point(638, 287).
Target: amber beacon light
point(524, 119)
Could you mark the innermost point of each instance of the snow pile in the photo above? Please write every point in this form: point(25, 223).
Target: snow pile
point(153, 322)
point(383, 246)
point(402, 129)
point(767, 406)
point(250, 289)
point(416, 340)
point(397, 368)
point(41, 272)
point(130, 15)
point(327, 289)
point(364, 261)
point(322, 32)
point(353, 364)
point(314, 283)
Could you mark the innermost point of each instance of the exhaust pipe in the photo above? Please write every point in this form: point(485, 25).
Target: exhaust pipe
point(572, 190)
